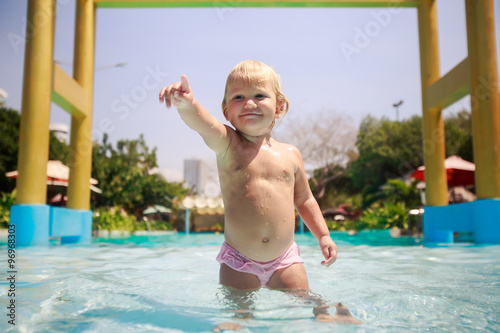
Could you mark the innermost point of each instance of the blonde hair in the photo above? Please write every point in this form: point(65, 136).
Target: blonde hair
point(253, 71)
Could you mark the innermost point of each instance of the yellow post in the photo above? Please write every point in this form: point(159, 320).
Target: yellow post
point(35, 109)
point(81, 127)
point(485, 103)
point(434, 149)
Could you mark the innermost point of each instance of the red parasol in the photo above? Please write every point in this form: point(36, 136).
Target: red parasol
point(459, 172)
point(57, 174)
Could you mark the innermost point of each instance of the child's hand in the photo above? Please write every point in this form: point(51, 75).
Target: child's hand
point(178, 94)
point(329, 250)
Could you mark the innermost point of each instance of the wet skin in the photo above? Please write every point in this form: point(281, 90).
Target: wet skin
point(262, 180)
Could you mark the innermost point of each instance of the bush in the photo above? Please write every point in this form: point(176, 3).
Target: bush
point(114, 219)
point(6, 200)
point(117, 219)
point(159, 225)
point(385, 216)
point(341, 225)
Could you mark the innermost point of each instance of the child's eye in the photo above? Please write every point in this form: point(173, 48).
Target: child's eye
point(238, 98)
point(260, 96)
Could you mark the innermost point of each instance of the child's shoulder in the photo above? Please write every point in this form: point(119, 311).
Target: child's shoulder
point(285, 145)
point(289, 147)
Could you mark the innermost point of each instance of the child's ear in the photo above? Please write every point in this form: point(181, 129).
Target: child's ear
point(224, 111)
point(280, 107)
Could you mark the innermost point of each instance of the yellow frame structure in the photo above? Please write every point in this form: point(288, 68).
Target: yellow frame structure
point(43, 80)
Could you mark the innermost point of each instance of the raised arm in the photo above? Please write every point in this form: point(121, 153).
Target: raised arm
point(309, 210)
point(180, 95)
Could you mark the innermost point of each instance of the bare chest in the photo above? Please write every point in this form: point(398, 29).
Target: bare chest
point(248, 166)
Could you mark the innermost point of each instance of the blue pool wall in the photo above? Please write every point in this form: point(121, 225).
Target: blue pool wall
point(480, 217)
point(36, 224)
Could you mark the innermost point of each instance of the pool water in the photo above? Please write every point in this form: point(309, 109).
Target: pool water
point(170, 284)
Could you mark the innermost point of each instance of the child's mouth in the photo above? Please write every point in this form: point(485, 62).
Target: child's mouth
point(250, 114)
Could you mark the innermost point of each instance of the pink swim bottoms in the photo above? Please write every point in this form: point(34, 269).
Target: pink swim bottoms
point(263, 270)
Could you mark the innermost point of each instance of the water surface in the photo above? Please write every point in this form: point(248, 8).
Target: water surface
point(170, 284)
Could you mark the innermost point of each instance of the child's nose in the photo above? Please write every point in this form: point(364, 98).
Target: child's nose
point(250, 104)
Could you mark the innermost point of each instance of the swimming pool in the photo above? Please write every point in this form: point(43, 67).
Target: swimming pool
point(170, 284)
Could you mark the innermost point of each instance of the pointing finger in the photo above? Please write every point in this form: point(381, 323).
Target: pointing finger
point(185, 84)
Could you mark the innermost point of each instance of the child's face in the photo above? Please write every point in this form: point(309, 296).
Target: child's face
point(251, 108)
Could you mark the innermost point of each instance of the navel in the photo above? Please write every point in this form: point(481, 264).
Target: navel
point(265, 240)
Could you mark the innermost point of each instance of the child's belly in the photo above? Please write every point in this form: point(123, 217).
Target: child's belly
point(260, 234)
point(259, 216)
point(260, 249)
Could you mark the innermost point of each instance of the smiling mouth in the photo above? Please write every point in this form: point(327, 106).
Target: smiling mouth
point(250, 114)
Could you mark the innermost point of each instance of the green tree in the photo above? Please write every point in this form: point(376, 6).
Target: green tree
point(458, 135)
point(337, 186)
point(58, 150)
point(126, 173)
point(128, 178)
point(389, 149)
point(9, 146)
point(394, 191)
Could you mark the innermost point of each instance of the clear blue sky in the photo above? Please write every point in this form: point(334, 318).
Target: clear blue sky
point(305, 45)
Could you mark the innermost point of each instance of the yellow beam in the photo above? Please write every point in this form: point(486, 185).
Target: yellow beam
point(485, 100)
point(81, 128)
point(68, 94)
point(35, 109)
point(434, 150)
point(255, 3)
point(450, 88)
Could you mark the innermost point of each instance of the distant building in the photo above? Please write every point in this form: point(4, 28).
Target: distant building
point(196, 174)
point(3, 97)
point(61, 131)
